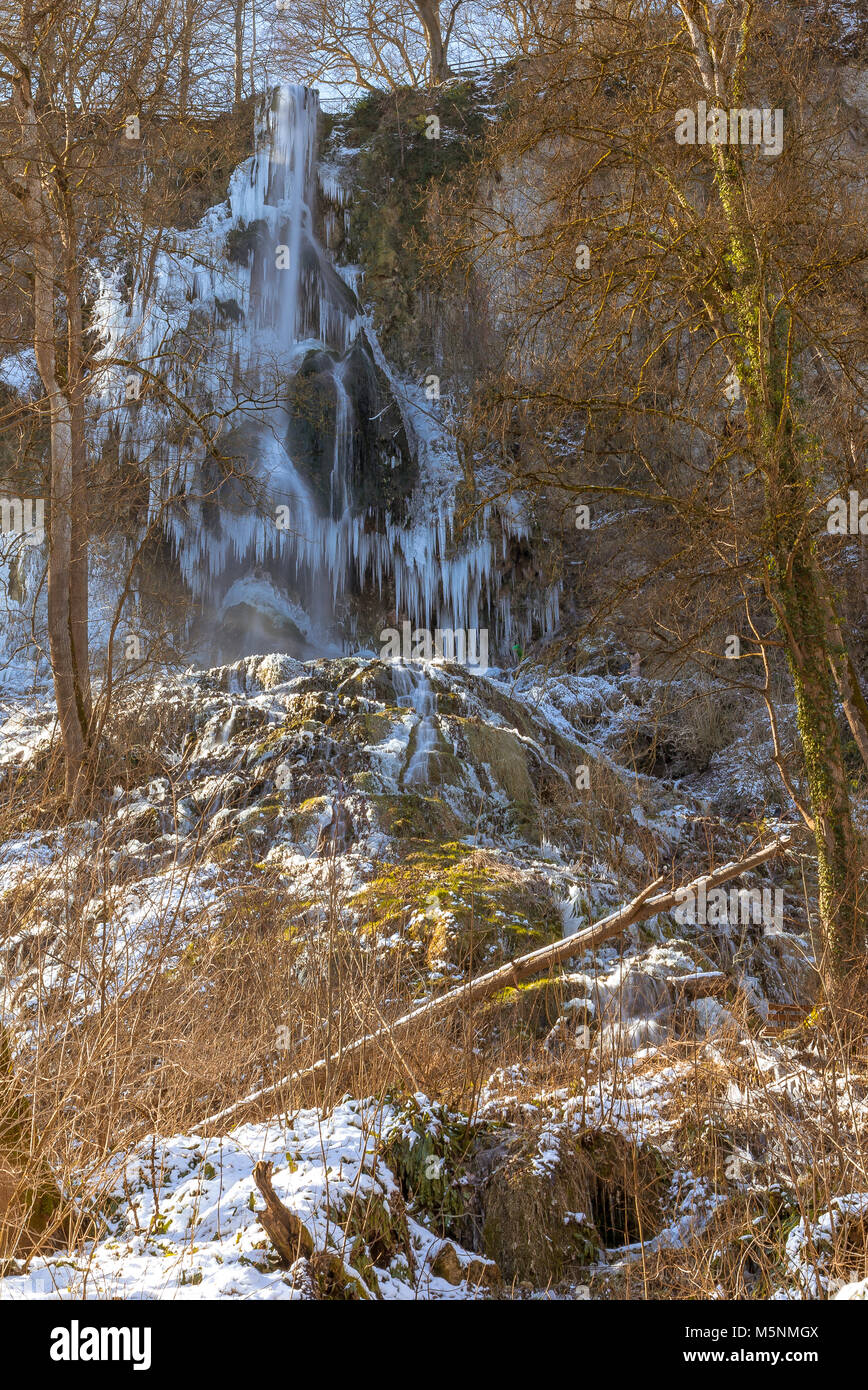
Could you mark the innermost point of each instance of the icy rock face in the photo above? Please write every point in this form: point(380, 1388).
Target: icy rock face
point(24, 662)
point(317, 477)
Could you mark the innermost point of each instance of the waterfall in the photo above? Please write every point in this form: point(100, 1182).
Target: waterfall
point(328, 479)
point(340, 493)
point(290, 167)
point(414, 691)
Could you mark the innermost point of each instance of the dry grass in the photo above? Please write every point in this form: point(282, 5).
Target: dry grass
point(235, 993)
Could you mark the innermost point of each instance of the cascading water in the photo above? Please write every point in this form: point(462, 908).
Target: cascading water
point(327, 481)
point(414, 691)
point(339, 498)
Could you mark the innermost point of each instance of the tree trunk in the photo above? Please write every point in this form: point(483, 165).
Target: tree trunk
point(67, 538)
point(852, 700)
point(184, 59)
point(764, 355)
point(60, 567)
point(78, 585)
point(286, 1231)
point(252, 46)
point(840, 941)
point(239, 54)
point(429, 13)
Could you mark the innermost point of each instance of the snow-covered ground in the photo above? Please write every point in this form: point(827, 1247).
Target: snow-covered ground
point(271, 762)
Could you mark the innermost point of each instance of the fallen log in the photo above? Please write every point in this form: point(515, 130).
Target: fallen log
point(646, 904)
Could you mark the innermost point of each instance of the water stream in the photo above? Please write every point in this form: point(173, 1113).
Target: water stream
point(414, 691)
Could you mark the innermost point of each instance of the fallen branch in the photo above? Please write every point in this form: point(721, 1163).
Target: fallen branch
point(646, 904)
point(289, 1236)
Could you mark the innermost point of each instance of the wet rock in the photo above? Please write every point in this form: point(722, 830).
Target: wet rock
point(338, 834)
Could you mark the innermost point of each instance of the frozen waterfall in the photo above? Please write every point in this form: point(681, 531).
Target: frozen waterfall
point(323, 477)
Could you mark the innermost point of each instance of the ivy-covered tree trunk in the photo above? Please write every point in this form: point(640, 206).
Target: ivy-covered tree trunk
point(751, 315)
point(802, 607)
point(803, 611)
point(840, 940)
point(805, 618)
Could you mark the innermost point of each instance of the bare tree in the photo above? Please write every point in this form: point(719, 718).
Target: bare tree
point(84, 86)
point(368, 44)
point(682, 328)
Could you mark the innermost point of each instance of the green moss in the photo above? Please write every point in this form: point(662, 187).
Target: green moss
point(261, 818)
point(367, 726)
point(371, 682)
point(427, 1150)
point(307, 709)
point(412, 816)
point(395, 169)
point(334, 1281)
point(462, 905)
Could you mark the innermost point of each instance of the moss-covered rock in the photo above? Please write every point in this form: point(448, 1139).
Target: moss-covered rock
point(414, 816)
point(478, 1273)
point(503, 761)
point(396, 166)
point(463, 905)
point(503, 753)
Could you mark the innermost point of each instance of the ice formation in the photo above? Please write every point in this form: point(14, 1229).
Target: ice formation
point(227, 318)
